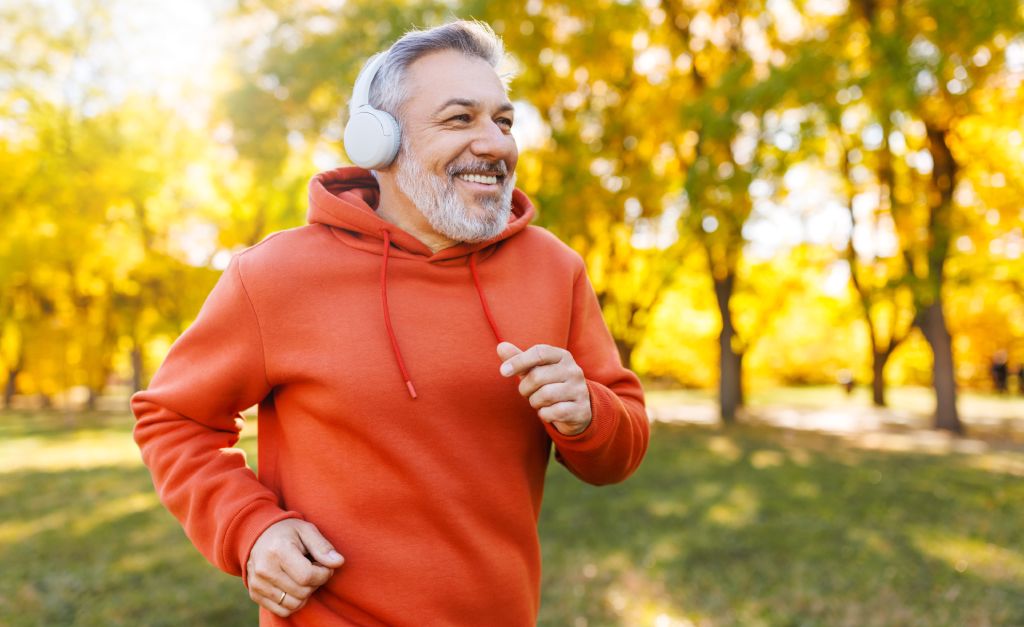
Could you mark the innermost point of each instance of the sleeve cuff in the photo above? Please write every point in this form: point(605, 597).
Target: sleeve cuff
point(605, 410)
point(248, 526)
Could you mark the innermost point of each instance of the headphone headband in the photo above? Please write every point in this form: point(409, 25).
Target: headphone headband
point(371, 135)
point(361, 91)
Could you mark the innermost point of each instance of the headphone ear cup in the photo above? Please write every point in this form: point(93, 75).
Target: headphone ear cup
point(371, 138)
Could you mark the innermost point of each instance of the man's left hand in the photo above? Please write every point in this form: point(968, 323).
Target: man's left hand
point(552, 382)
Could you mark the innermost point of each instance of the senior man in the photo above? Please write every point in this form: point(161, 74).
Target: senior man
point(415, 352)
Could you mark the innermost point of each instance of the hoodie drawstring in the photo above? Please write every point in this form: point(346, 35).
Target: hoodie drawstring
point(387, 312)
point(387, 315)
point(483, 301)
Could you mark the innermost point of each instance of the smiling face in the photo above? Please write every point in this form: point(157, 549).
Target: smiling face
point(457, 161)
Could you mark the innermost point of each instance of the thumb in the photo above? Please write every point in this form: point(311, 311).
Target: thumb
point(507, 350)
point(319, 547)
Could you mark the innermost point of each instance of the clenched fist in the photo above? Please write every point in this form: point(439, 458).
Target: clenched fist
point(288, 562)
point(552, 382)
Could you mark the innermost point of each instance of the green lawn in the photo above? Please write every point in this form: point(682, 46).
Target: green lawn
point(752, 526)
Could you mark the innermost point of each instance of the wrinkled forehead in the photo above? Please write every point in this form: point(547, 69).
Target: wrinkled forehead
point(441, 77)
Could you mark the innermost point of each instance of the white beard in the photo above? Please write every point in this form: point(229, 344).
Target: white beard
point(439, 202)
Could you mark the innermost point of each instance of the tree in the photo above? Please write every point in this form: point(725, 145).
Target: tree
point(926, 59)
point(96, 190)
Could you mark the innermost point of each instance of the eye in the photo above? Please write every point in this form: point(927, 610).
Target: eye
point(505, 123)
point(462, 117)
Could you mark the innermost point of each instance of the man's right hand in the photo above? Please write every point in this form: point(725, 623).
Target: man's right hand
point(292, 558)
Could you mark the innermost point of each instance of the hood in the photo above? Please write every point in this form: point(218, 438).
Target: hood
point(345, 198)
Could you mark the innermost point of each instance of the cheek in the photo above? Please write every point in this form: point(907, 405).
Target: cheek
point(435, 152)
point(513, 157)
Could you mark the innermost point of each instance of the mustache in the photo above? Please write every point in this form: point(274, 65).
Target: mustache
point(494, 168)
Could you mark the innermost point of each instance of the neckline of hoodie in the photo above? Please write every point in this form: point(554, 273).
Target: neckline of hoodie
point(364, 242)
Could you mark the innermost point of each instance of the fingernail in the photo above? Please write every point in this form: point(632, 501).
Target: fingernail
point(506, 369)
point(334, 555)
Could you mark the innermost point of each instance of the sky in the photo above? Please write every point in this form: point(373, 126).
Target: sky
point(170, 48)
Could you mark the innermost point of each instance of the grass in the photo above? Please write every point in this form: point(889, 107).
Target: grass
point(84, 540)
point(764, 527)
point(751, 526)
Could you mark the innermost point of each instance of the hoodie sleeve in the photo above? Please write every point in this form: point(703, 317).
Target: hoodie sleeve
point(611, 447)
point(188, 423)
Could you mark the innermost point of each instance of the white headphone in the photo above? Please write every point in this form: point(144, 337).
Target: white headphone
point(371, 135)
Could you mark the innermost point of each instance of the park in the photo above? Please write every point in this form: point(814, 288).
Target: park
point(803, 224)
point(751, 525)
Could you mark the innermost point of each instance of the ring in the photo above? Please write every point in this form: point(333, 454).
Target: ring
point(281, 600)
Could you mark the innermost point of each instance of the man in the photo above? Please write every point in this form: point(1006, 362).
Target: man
point(402, 441)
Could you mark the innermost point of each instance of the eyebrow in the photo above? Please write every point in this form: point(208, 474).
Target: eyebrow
point(472, 104)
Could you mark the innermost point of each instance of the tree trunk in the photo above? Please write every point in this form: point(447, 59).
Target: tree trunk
point(11, 387)
point(878, 378)
point(137, 366)
point(932, 319)
point(865, 293)
point(730, 381)
point(933, 324)
point(625, 352)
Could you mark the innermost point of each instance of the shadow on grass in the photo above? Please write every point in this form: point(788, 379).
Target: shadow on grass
point(95, 547)
point(752, 526)
point(92, 545)
point(758, 526)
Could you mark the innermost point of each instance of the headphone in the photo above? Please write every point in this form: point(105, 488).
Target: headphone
point(371, 135)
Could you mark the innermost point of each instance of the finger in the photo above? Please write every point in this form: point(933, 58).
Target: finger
point(532, 357)
point(559, 412)
point(319, 547)
point(507, 350)
point(270, 585)
point(267, 596)
point(285, 608)
point(302, 572)
point(551, 394)
point(290, 602)
point(541, 376)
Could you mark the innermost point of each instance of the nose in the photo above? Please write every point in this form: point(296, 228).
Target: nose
point(495, 143)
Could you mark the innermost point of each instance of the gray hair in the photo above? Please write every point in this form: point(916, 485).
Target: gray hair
point(389, 89)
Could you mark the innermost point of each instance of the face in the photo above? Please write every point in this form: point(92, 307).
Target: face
point(458, 157)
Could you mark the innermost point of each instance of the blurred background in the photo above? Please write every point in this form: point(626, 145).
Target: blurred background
point(766, 193)
point(798, 215)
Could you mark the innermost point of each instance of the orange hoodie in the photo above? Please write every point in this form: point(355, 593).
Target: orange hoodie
point(383, 419)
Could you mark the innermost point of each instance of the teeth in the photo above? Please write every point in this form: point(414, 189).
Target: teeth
point(479, 178)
